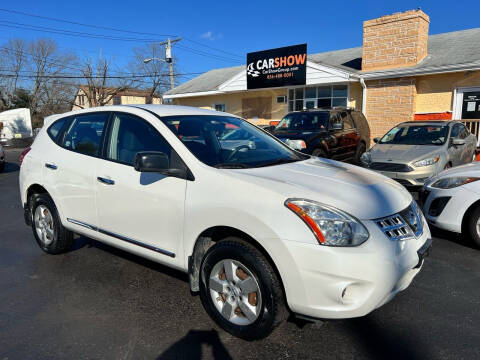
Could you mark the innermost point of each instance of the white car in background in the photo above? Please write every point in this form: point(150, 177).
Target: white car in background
point(251, 225)
point(451, 200)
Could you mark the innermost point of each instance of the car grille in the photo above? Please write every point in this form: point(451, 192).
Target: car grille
point(407, 224)
point(389, 167)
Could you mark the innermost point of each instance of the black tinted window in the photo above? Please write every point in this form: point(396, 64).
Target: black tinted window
point(130, 135)
point(304, 121)
point(55, 128)
point(455, 131)
point(463, 132)
point(85, 133)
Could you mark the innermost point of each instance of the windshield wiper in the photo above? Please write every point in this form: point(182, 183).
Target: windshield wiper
point(230, 166)
point(279, 162)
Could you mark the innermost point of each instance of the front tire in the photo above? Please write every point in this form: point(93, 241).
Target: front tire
point(2, 167)
point(360, 150)
point(473, 226)
point(240, 290)
point(47, 228)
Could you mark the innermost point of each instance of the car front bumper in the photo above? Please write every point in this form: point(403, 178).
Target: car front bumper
point(451, 215)
point(414, 178)
point(346, 282)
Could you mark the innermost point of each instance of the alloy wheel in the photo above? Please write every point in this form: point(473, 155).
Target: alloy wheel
point(235, 292)
point(44, 224)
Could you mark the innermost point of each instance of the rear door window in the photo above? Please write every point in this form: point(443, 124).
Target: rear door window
point(55, 129)
point(85, 133)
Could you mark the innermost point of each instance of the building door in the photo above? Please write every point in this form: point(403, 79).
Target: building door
point(471, 105)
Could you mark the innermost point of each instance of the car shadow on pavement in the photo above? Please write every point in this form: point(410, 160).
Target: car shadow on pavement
point(382, 342)
point(83, 241)
point(197, 344)
point(11, 167)
point(451, 236)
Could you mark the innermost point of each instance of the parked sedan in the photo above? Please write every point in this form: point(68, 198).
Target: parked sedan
point(414, 151)
point(451, 200)
point(261, 230)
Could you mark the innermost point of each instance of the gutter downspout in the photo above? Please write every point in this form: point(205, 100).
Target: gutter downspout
point(364, 96)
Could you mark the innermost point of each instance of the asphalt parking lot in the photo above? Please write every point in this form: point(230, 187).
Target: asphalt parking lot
point(99, 302)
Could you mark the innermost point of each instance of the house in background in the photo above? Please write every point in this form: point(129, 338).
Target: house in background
point(399, 74)
point(125, 97)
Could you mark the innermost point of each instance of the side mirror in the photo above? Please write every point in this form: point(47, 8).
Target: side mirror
point(458, 142)
point(152, 162)
point(337, 126)
point(376, 140)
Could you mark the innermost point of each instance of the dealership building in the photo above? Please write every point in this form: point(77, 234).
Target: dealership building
point(399, 74)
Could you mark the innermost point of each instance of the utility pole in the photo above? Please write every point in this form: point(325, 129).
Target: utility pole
point(169, 58)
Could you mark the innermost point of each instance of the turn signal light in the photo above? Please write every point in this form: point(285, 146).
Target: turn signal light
point(309, 221)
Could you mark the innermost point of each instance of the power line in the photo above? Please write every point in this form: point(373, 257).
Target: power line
point(12, 24)
point(83, 24)
point(116, 29)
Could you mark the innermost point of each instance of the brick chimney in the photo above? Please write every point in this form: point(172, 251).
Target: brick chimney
point(395, 41)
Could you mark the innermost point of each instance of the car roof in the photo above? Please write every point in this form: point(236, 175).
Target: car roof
point(160, 110)
point(429, 122)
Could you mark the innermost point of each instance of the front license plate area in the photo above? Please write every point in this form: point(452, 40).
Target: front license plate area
point(423, 252)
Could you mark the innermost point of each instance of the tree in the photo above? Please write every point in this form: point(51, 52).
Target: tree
point(156, 71)
point(100, 89)
point(21, 99)
point(13, 62)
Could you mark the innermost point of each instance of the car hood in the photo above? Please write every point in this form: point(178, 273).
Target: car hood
point(472, 169)
point(403, 153)
point(360, 192)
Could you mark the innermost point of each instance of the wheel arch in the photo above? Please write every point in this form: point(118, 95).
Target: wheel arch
point(212, 235)
point(468, 213)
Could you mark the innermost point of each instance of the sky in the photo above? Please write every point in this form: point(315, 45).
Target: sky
point(215, 33)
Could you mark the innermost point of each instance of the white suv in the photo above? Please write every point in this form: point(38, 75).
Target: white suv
point(260, 228)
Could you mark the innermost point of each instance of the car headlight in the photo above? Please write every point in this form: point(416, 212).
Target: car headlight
point(426, 162)
point(452, 182)
point(366, 158)
point(296, 144)
point(331, 226)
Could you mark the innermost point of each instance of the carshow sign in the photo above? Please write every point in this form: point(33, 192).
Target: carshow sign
point(277, 67)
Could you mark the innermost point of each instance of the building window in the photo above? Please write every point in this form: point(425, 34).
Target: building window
point(317, 97)
point(117, 100)
point(281, 99)
point(81, 100)
point(219, 107)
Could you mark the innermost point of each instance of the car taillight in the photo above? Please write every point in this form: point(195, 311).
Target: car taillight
point(24, 152)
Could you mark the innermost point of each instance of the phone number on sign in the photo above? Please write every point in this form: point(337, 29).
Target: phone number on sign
point(279, 76)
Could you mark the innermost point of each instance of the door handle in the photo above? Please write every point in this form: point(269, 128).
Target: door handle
point(105, 181)
point(51, 166)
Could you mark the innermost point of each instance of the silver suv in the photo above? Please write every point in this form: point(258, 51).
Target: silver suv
point(413, 151)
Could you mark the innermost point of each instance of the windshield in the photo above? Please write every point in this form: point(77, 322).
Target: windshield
point(304, 121)
point(416, 135)
point(229, 142)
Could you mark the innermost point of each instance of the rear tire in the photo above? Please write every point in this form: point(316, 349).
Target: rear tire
point(47, 228)
point(473, 226)
point(246, 301)
point(319, 153)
